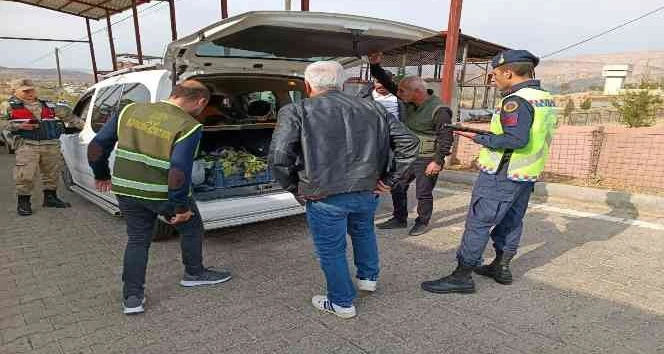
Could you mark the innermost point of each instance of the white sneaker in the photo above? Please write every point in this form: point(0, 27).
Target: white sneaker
point(366, 285)
point(322, 303)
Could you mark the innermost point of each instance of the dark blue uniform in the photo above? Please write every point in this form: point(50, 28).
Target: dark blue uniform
point(496, 199)
point(498, 204)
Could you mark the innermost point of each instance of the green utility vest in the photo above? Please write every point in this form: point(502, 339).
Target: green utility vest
point(147, 133)
point(420, 120)
point(527, 163)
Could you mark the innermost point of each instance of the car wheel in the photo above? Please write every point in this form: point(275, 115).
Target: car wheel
point(163, 231)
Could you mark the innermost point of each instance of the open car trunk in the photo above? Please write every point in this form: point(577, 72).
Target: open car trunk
point(254, 62)
point(285, 42)
point(239, 122)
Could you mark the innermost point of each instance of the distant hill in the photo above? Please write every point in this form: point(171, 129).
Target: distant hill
point(582, 72)
point(45, 74)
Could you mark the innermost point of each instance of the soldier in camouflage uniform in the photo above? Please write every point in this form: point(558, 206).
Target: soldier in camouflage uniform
point(36, 126)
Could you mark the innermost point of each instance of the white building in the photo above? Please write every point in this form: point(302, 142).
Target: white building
point(615, 77)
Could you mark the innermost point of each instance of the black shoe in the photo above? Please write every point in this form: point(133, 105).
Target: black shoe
point(393, 223)
point(133, 305)
point(418, 229)
point(51, 200)
point(498, 269)
point(207, 277)
point(489, 270)
point(460, 281)
point(503, 273)
point(24, 207)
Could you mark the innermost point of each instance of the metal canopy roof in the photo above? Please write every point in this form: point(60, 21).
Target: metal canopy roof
point(429, 51)
point(91, 9)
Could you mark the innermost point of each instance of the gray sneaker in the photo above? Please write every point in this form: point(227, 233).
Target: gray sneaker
point(133, 305)
point(207, 277)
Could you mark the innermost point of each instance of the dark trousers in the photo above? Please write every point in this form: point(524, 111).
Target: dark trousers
point(141, 215)
point(496, 211)
point(424, 186)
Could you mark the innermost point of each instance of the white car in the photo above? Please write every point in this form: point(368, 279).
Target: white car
point(257, 56)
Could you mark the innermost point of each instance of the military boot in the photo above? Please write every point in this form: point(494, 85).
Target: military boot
point(460, 281)
point(24, 207)
point(51, 200)
point(489, 270)
point(503, 274)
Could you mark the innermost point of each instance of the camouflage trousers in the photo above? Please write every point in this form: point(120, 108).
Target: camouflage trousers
point(30, 158)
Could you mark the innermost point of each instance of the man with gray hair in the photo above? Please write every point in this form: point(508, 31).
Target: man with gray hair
point(425, 116)
point(332, 151)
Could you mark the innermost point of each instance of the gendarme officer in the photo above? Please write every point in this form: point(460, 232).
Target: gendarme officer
point(511, 160)
point(425, 116)
point(36, 126)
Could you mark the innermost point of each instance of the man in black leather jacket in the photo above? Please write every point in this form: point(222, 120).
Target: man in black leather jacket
point(336, 152)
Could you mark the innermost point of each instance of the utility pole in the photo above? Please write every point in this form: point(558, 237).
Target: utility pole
point(57, 65)
point(287, 5)
point(447, 85)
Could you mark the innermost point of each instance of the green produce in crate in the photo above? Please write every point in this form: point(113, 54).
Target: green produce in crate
point(233, 162)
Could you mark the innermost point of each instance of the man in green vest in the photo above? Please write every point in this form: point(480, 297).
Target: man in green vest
point(511, 160)
point(425, 116)
point(156, 146)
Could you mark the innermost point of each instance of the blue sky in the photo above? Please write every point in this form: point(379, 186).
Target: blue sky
point(541, 26)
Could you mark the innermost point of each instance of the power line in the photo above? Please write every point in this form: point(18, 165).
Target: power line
point(95, 32)
point(604, 32)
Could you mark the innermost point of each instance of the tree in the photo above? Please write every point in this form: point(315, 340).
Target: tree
point(586, 104)
point(637, 108)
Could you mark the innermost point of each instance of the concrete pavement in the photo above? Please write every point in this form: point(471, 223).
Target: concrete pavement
point(583, 285)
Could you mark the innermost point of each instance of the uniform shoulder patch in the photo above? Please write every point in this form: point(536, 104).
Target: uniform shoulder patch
point(510, 106)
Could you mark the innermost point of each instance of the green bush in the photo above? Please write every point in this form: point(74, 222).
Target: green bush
point(638, 108)
point(587, 103)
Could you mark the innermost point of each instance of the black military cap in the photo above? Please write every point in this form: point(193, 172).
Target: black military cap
point(514, 56)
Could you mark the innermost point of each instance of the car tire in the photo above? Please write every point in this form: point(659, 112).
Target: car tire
point(163, 231)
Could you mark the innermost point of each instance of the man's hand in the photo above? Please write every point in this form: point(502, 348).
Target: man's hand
point(103, 186)
point(375, 58)
point(382, 188)
point(180, 218)
point(28, 126)
point(433, 169)
point(468, 135)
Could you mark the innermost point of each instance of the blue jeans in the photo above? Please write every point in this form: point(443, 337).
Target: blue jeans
point(330, 220)
point(141, 216)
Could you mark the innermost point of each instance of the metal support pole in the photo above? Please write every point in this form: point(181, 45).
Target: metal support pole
point(462, 78)
point(139, 50)
point(174, 27)
point(57, 65)
point(224, 9)
point(451, 46)
point(92, 50)
point(287, 5)
point(304, 5)
point(110, 41)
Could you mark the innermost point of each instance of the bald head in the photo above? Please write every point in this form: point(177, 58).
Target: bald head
point(191, 89)
point(414, 83)
point(190, 95)
point(412, 90)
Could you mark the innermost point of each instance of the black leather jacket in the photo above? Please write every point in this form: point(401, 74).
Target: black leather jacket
point(336, 143)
